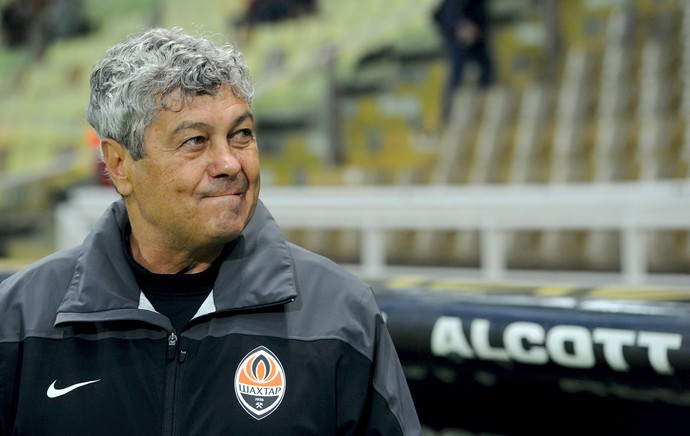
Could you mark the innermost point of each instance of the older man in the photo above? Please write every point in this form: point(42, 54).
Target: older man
point(185, 311)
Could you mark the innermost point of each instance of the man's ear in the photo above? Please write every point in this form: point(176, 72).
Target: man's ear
point(116, 157)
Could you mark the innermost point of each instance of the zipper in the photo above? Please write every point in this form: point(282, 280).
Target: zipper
point(175, 356)
point(172, 345)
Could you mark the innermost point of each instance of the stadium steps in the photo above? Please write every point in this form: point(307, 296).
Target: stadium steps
point(612, 125)
point(585, 146)
point(519, 52)
point(588, 130)
point(603, 136)
point(492, 141)
point(536, 103)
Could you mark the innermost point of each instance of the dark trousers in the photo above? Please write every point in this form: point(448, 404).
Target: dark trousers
point(458, 57)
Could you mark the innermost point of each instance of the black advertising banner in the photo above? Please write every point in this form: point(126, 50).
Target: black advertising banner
point(512, 360)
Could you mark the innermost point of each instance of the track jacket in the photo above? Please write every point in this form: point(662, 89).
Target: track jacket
point(287, 343)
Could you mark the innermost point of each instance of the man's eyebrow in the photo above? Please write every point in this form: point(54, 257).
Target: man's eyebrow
point(185, 125)
point(242, 118)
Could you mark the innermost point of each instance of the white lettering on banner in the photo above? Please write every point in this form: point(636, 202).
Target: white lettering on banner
point(479, 336)
point(447, 337)
point(658, 344)
point(521, 332)
point(613, 341)
point(570, 346)
point(558, 339)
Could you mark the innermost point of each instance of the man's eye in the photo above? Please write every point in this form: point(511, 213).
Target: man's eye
point(242, 136)
point(194, 142)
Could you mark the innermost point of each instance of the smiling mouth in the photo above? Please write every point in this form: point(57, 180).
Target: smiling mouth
point(219, 190)
point(223, 194)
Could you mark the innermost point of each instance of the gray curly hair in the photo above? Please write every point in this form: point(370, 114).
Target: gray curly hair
point(133, 81)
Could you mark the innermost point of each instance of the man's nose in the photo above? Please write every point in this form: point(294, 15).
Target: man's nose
point(223, 162)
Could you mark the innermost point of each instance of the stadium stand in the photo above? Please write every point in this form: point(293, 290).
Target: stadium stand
point(348, 98)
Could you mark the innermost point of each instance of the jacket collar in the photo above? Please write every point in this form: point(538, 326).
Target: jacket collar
point(256, 273)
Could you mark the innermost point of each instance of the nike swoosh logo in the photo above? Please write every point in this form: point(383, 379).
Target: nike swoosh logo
point(54, 392)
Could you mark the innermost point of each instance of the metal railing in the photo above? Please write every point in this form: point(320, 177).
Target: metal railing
point(633, 209)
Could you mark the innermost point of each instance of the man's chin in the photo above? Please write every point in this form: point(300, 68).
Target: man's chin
point(230, 229)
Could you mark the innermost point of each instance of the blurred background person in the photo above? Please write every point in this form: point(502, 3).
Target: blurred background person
point(464, 27)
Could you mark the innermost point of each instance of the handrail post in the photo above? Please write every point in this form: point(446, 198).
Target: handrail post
point(493, 252)
point(373, 252)
point(633, 254)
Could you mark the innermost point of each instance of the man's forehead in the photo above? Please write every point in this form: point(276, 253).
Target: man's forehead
point(177, 100)
point(186, 111)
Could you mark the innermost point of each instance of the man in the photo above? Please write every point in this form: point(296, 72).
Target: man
point(185, 311)
point(464, 26)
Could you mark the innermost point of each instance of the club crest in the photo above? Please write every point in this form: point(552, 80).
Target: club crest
point(260, 382)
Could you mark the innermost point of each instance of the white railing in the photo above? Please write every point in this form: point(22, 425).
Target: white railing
point(633, 209)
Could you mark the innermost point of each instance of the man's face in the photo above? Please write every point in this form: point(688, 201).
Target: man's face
point(198, 183)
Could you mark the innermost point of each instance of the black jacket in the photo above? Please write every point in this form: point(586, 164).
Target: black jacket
point(449, 13)
point(287, 343)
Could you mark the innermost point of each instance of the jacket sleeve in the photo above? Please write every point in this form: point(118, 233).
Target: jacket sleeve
point(8, 368)
point(9, 355)
point(372, 393)
point(27, 308)
point(391, 410)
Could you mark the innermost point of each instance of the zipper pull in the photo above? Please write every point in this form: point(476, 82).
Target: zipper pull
point(172, 344)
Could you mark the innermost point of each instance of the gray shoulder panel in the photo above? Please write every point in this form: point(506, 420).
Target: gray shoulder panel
point(29, 299)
